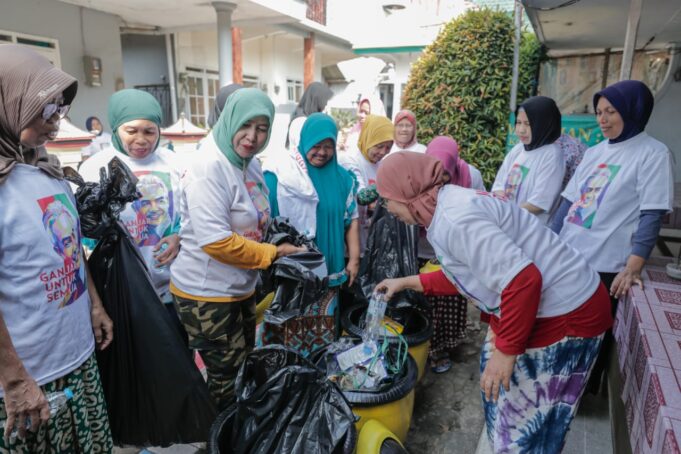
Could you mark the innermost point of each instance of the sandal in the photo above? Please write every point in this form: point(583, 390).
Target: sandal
point(441, 366)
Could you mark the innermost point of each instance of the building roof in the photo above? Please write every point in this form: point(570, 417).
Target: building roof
point(602, 24)
point(70, 133)
point(183, 127)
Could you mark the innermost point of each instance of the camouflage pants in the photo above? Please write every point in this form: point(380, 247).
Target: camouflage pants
point(223, 333)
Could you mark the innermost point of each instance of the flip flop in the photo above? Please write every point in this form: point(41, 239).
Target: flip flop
point(441, 366)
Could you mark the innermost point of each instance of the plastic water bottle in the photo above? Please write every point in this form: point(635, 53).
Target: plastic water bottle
point(56, 401)
point(373, 322)
point(163, 248)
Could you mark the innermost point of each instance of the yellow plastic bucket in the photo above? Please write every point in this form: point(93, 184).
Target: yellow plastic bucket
point(262, 306)
point(392, 407)
point(417, 332)
point(372, 436)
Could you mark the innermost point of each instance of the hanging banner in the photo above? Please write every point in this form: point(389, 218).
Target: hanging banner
point(582, 127)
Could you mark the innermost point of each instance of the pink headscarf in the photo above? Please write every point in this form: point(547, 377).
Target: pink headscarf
point(409, 115)
point(446, 150)
point(414, 179)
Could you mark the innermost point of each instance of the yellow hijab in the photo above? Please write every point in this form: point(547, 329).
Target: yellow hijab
point(377, 129)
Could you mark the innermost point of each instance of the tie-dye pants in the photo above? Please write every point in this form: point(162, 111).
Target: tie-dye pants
point(546, 387)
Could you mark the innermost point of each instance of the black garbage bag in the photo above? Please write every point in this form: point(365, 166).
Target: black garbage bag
point(155, 394)
point(298, 280)
point(286, 405)
point(99, 204)
point(391, 251)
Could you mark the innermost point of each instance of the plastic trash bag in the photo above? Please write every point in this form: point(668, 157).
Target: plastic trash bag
point(286, 405)
point(298, 280)
point(99, 204)
point(155, 394)
point(391, 252)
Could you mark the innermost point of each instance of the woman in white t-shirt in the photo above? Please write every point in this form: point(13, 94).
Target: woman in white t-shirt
point(225, 209)
point(533, 170)
point(405, 133)
point(374, 144)
point(448, 313)
point(547, 308)
point(49, 307)
point(153, 221)
point(613, 205)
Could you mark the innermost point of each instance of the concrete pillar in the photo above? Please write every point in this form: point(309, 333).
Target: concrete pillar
point(308, 75)
point(224, 14)
point(630, 38)
point(237, 57)
point(170, 56)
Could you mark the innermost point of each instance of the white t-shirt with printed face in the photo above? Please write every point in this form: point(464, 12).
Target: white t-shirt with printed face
point(483, 242)
point(43, 285)
point(532, 176)
point(610, 187)
point(156, 214)
point(218, 199)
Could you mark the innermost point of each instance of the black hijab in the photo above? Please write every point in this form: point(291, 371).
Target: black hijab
point(314, 100)
point(220, 101)
point(544, 117)
point(634, 101)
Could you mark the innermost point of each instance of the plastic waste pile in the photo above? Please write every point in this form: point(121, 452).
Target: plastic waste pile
point(367, 365)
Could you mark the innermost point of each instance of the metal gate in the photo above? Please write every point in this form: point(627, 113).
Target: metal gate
point(162, 94)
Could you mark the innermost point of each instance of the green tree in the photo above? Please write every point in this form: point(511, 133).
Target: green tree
point(461, 85)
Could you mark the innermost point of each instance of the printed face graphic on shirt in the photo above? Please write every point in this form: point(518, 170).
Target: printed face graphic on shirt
point(594, 189)
point(262, 207)
point(154, 210)
point(60, 219)
point(514, 181)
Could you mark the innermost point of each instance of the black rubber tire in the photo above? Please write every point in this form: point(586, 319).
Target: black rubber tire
point(391, 446)
point(402, 386)
point(216, 437)
point(423, 329)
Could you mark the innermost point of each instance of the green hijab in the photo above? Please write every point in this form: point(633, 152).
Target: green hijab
point(333, 185)
point(132, 104)
point(242, 106)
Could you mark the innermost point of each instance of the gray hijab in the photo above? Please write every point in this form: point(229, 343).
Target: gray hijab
point(28, 81)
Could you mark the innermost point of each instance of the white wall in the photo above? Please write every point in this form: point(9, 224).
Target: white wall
point(664, 122)
point(57, 20)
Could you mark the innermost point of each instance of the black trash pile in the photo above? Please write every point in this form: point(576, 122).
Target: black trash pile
point(155, 394)
point(298, 280)
point(284, 404)
point(391, 252)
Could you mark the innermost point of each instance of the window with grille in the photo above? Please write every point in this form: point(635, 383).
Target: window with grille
point(202, 86)
point(294, 89)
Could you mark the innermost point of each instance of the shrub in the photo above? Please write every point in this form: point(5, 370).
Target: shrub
point(461, 85)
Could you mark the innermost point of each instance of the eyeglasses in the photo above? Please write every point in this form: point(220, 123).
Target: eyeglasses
point(55, 108)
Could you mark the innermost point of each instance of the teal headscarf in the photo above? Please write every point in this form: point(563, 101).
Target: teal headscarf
point(241, 106)
point(333, 185)
point(131, 104)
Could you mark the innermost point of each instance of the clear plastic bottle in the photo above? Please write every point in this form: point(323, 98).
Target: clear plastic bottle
point(373, 322)
point(163, 248)
point(56, 401)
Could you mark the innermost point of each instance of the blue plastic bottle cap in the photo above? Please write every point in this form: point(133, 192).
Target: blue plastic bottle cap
point(68, 393)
